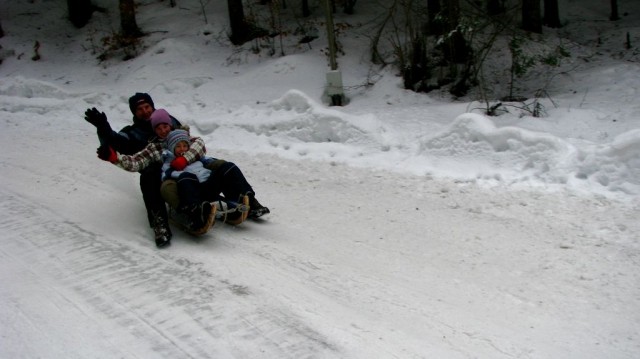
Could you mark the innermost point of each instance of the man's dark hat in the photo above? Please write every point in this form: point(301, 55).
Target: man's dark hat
point(139, 98)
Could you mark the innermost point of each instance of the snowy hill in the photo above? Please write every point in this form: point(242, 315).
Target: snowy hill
point(403, 225)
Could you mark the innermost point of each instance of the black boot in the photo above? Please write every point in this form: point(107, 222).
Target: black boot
point(161, 231)
point(256, 210)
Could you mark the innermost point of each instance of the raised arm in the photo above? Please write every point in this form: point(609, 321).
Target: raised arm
point(141, 160)
point(126, 141)
point(196, 151)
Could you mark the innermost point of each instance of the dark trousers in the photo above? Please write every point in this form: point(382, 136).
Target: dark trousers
point(227, 180)
point(189, 190)
point(150, 181)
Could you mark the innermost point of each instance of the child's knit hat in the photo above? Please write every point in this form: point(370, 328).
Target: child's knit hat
point(176, 136)
point(160, 116)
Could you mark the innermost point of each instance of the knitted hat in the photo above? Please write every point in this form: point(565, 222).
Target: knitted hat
point(139, 98)
point(160, 116)
point(176, 136)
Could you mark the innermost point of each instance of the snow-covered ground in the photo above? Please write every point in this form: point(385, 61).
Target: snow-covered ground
point(403, 225)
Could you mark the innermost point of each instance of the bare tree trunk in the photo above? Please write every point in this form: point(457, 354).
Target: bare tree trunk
point(531, 16)
point(79, 12)
point(128, 23)
point(433, 9)
point(614, 11)
point(348, 6)
point(236, 19)
point(551, 14)
point(627, 44)
point(241, 30)
point(305, 8)
point(456, 49)
point(495, 7)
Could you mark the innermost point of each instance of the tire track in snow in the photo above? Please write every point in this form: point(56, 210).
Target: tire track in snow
point(172, 305)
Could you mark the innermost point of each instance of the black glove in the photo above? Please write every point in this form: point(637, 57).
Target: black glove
point(105, 153)
point(98, 119)
point(95, 117)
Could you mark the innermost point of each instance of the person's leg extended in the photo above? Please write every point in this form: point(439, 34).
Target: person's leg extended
point(153, 202)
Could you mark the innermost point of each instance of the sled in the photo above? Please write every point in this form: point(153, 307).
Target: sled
point(181, 221)
point(233, 213)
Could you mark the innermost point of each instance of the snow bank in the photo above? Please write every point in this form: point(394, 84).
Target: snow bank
point(615, 166)
point(471, 148)
point(516, 155)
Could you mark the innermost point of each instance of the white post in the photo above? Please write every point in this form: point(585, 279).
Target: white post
point(334, 87)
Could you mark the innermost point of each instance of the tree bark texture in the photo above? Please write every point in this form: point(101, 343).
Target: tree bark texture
point(79, 12)
point(456, 49)
point(305, 8)
point(495, 7)
point(128, 23)
point(614, 11)
point(531, 16)
point(433, 9)
point(552, 14)
point(236, 20)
